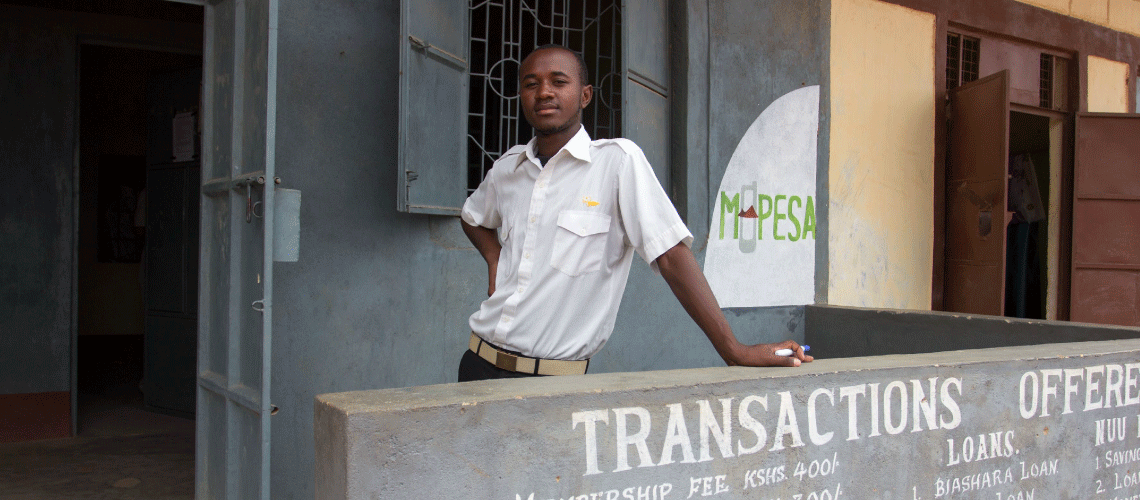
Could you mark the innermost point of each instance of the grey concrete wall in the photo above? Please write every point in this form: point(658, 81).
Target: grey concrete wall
point(379, 298)
point(1020, 422)
point(757, 53)
point(36, 208)
point(847, 332)
point(38, 136)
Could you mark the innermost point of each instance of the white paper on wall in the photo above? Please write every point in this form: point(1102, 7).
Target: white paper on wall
point(183, 148)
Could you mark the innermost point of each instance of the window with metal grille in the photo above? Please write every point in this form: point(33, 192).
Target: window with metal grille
point(962, 59)
point(503, 32)
point(1046, 89)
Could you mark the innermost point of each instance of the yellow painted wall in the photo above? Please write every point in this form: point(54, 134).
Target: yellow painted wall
point(881, 180)
point(1120, 15)
point(1107, 85)
point(1095, 11)
point(1061, 6)
point(1124, 15)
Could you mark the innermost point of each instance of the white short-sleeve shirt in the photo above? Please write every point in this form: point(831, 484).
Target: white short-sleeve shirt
point(568, 231)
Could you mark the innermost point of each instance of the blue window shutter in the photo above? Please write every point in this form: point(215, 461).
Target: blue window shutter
point(645, 87)
point(434, 42)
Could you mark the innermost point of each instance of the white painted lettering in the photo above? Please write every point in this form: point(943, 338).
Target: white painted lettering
point(1114, 385)
point(1048, 389)
point(968, 449)
point(676, 434)
point(1131, 384)
point(1044, 468)
point(874, 410)
point(721, 432)
point(901, 389)
point(952, 457)
point(927, 406)
point(707, 486)
point(1092, 386)
point(750, 423)
point(623, 440)
point(589, 420)
point(787, 424)
point(1115, 458)
point(1110, 430)
point(1128, 480)
point(951, 404)
point(1071, 376)
point(1030, 410)
point(851, 394)
point(813, 424)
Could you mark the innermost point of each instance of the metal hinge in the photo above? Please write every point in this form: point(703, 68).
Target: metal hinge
point(447, 57)
point(411, 175)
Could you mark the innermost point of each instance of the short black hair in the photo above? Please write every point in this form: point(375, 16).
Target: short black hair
point(583, 73)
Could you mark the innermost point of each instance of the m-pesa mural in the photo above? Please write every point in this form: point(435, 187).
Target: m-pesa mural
point(761, 249)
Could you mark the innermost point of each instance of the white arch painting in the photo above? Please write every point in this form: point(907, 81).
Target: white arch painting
point(761, 249)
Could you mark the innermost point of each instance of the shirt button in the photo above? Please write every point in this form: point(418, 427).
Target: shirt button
point(506, 319)
point(520, 289)
point(527, 255)
point(532, 219)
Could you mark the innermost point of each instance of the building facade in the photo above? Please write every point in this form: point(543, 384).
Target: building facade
point(821, 152)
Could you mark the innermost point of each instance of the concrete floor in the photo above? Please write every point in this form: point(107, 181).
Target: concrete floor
point(122, 450)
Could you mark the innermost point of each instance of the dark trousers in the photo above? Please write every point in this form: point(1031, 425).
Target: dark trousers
point(472, 367)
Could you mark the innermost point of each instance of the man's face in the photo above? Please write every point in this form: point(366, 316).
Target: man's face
point(551, 91)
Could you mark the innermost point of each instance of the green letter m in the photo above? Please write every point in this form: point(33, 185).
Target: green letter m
point(731, 206)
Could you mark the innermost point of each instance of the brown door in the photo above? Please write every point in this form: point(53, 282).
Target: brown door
point(976, 196)
point(1106, 220)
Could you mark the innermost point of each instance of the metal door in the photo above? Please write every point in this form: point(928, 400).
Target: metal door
point(171, 306)
point(1106, 220)
point(434, 42)
point(976, 186)
point(236, 271)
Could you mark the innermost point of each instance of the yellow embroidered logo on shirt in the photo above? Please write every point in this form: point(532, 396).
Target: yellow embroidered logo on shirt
point(589, 202)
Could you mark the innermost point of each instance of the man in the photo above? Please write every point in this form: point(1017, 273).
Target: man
point(558, 221)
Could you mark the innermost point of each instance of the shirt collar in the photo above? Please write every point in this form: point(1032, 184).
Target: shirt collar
point(578, 147)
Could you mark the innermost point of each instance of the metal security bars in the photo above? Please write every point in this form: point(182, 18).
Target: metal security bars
point(1046, 79)
point(953, 60)
point(505, 31)
point(971, 58)
point(962, 59)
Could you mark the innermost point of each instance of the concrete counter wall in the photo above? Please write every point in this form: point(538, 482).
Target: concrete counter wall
point(844, 332)
point(1047, 421)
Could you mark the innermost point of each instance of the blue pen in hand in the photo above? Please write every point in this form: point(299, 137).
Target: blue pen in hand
point(788, 352)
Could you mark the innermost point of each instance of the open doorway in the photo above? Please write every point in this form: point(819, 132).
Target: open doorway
point(1005, 207)
point(1032, 235)
point(125, 96)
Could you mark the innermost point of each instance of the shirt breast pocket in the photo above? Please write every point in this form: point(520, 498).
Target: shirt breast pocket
point(580, 242)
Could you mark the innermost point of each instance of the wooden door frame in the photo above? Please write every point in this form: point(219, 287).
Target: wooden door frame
point(1075, 83)
point(1064, 198)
